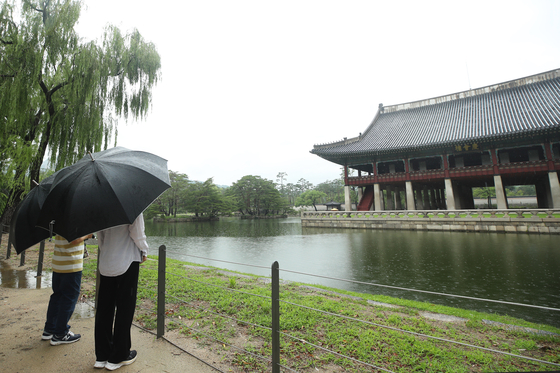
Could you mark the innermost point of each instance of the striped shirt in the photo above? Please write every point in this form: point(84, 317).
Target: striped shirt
point(67, 257)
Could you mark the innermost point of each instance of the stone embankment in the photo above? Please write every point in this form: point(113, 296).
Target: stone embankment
point(263, 216)
point(183, 220)
point(543, 221)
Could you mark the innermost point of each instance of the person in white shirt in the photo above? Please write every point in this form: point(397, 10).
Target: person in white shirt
point(121, 250)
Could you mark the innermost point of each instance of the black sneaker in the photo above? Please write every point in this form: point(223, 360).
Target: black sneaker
point(63, 339)
point(46, 336)
point(131, 358)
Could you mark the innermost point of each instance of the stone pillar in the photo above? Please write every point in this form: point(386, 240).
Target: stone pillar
point(398, 203)
point(437, 197)
point(554, 189)
point(418, 199)
point(390, 204)
point(426, 198)
point(347, 202)
point(433, 201)
point(409, 196)
point(442, 198)
point(501, 198)
point(360, 193)
point(449, 195)
point(544, 198)
point(377, 197)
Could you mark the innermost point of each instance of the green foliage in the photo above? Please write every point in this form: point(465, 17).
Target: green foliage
point(334, 189)
point(199, 198)
point(311, 198)
point(61, 94)
point(511, 191)
point(254, 195)
point(280, 178)
point(206, 199)
point(172, 200)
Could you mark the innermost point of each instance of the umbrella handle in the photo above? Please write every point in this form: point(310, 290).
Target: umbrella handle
point(51, 224)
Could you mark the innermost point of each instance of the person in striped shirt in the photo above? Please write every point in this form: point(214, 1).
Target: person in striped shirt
point(67, 266)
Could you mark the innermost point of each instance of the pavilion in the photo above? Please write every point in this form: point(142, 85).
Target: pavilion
point(429, 154)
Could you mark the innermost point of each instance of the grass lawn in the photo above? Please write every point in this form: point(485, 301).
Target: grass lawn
point(219, 309)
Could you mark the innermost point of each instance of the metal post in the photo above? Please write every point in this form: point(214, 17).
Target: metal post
point(275, 318)
point(22, 259)
point(9, 252)
point(161, 292)
point(40, 261)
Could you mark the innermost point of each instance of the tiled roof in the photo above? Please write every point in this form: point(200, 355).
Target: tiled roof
point(525, 106)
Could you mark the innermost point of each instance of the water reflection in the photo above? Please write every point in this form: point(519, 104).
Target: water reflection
point(17, 279)
point(515, 268)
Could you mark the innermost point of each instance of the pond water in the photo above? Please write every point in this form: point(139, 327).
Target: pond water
point(519, 268)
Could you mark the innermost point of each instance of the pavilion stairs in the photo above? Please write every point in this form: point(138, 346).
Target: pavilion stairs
point(367, 199)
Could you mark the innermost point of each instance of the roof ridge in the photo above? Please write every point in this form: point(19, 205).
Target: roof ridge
point(548, 75)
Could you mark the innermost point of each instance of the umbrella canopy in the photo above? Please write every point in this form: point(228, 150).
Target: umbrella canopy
point(23, 230)
point(103, 190)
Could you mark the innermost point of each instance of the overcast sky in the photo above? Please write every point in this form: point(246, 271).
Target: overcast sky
point(248, 87)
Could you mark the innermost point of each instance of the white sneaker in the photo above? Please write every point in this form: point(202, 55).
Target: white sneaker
point(100, 364)
point(131, 359)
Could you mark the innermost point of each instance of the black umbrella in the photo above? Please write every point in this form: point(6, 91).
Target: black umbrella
point(23, 230)
point(103, 190)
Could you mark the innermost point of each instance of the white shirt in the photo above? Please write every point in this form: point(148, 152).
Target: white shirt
point(120, 246)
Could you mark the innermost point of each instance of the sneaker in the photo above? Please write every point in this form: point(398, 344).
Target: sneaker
point(46, 336)
point(67, 338)
point(131, 358)
point(100, 364)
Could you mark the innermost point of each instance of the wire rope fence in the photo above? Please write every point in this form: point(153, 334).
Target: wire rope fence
point(268, 324)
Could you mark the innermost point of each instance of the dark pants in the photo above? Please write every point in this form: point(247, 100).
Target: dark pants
point(66, 290)
point(116, 302)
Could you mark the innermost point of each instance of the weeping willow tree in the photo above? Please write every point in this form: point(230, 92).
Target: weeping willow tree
point(60, 96)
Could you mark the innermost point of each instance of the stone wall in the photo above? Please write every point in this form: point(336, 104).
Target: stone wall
point(263, 216)
point(182, 220)
point(541, 221)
